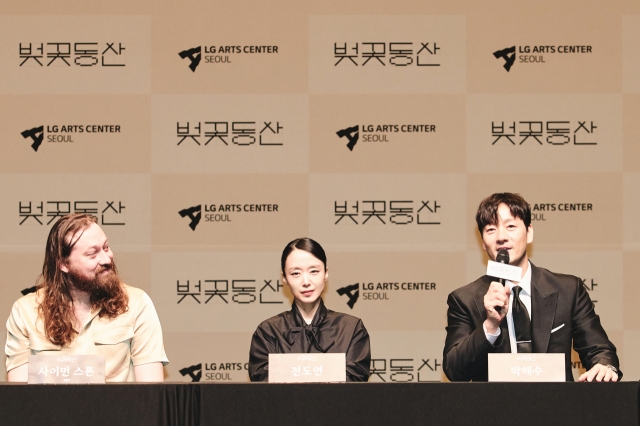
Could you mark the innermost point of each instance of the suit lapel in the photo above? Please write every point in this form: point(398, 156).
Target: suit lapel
point(479, 298)
point(543, 306)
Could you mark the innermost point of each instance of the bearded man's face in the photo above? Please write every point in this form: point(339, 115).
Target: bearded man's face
point(90, 265)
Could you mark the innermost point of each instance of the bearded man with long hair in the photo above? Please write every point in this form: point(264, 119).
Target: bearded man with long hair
point(82, 307)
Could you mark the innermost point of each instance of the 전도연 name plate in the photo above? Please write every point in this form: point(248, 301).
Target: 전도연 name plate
point(307, 368)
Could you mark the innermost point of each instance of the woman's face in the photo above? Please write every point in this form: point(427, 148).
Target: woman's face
point(305, 275)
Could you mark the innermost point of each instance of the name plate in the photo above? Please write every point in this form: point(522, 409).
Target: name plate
point(526, 368)
point(307, 368)
point(505, 271)
point(66, 369)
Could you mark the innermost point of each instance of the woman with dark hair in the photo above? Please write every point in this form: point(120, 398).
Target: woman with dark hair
point(309, 326)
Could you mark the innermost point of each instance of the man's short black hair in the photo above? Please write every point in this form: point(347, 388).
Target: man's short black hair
point(487, 213)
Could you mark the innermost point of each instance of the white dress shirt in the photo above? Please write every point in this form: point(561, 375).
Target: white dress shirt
point(525, 296)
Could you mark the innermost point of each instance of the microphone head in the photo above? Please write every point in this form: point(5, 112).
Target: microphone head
point(503, 256)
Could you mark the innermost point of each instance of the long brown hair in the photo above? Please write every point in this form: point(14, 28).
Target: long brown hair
point(54, 285)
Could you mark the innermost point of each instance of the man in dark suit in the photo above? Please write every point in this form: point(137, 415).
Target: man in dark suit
point(551, 309)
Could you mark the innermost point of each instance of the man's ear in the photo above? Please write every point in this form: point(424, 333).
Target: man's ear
point(63, 267)
point(530, 234)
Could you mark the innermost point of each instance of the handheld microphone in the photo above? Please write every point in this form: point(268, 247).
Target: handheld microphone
point(502, 257)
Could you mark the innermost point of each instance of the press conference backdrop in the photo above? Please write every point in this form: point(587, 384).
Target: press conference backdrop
point(206, 135)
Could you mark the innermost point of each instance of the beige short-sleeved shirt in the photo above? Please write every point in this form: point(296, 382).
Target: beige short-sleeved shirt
point(133, 338)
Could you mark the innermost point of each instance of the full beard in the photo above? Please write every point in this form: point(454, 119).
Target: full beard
point(103, 286)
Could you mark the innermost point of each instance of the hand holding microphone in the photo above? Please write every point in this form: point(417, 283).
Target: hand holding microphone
point(496, 300)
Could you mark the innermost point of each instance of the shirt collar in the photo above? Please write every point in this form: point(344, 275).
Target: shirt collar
point(525, 283)
point(318, 317)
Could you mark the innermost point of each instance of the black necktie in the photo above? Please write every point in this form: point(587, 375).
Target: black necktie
point(521, 322)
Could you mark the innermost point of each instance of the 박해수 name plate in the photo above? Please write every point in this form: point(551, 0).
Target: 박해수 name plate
point(526, 367)
point(66, 369)
point(307, 368)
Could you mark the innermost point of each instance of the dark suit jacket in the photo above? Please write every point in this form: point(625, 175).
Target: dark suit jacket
point(556, 299)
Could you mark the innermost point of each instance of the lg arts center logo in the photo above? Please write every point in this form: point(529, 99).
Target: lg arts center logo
point(194, 56)
point(381, 291)
point(509, 56)
point(222, 54)
point(382, 133)
point(215, 213)
point(551, 210)
point(194, 214)
point(352, 134)
point(536, 54)
point(36, 134)
point(216, 372)
point(194, 372)
point(65, 133)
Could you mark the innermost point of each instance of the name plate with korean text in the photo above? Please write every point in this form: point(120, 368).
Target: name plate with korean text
point(66, 369)
point(526, 368)
point(307, 368)
point(505, 271)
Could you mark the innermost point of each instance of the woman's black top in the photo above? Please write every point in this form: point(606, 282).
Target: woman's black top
point(329, 332)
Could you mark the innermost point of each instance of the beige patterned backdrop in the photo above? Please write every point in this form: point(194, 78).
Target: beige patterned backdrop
point(206, 135)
